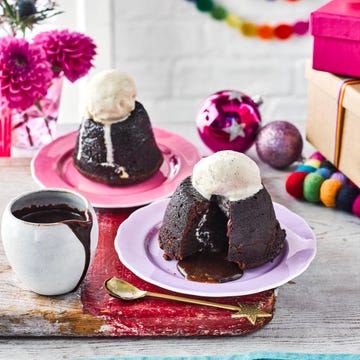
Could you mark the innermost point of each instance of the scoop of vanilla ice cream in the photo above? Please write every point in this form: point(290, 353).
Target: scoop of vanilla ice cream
point(227, 173)
point(110, 96)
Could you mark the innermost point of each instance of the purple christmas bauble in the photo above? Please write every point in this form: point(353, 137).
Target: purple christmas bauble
point(228, 120)
point(279, 144)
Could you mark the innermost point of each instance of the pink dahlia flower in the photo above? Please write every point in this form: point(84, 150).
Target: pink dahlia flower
point(68, 52)
point(25, 73)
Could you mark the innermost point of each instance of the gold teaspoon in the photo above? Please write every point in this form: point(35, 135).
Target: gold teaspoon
point(123, 290)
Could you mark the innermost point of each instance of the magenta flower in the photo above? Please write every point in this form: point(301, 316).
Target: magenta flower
point(25, 73)
point(68, 52)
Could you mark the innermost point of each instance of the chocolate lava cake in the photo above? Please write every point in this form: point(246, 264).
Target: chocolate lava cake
point(115, 143)
point(191, 224)
point(247, 228)
point(135, 154)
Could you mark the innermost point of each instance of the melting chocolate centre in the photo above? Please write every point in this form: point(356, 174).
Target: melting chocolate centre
point(210, 267)
point(80, 223)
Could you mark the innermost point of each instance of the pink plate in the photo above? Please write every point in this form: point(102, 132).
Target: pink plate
point(52, 166)
point(137, 246)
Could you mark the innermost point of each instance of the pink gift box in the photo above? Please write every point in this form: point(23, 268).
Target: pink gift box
point(336, 30)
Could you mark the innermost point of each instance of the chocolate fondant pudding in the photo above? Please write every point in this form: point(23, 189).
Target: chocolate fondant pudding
point(115, 143)
point(223, 208)
point(80, 223)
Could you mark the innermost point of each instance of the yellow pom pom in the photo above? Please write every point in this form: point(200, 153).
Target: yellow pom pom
point(313, 162)
point(248, 29)
point(233, 21)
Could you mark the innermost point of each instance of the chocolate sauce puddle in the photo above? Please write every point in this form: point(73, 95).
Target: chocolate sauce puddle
point(80, 223)
point(209, 267)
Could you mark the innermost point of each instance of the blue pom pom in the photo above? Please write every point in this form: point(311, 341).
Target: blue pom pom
point(345, 197)
point(324, 172)
point(307, 168)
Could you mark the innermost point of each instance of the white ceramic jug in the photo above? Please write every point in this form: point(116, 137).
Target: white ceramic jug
point(50, 238)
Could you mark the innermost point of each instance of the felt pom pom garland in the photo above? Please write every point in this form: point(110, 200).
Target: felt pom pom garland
point(282, 31)
point(318, 181)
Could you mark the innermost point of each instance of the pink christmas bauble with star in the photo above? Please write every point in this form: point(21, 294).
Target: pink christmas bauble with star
point(228, 120)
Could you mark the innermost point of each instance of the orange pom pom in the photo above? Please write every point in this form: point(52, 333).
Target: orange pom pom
point(328, 191)
point(265, 32)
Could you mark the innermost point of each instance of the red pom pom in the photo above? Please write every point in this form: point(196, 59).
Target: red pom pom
point(294, 184)
point(283, 31)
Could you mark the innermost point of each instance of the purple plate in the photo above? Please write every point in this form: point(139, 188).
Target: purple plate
point(136, 244)
point(52, 166)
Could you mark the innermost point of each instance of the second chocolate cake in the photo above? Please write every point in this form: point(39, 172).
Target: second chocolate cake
point(223, 206)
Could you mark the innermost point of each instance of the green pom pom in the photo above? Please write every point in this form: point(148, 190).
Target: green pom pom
point(218, 12)
point(205, 5)
point(311, 189)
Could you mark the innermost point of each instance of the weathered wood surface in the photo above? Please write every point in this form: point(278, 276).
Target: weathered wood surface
point(318, 312)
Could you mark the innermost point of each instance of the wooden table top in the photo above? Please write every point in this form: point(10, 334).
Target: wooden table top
point(318, 312)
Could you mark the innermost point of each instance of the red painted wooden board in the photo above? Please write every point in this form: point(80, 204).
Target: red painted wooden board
point(152, 316)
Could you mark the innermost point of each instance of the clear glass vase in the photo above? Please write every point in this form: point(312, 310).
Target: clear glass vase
point(36, 126)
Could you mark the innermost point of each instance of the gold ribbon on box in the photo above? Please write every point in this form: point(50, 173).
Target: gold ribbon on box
point(340, 118)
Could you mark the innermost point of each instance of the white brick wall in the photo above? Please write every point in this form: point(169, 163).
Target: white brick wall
point(178, 56)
